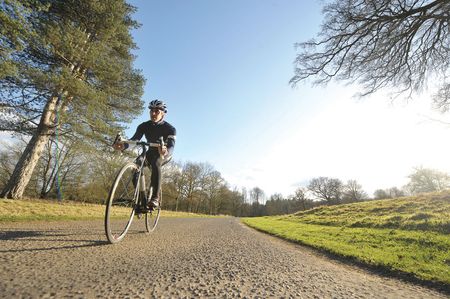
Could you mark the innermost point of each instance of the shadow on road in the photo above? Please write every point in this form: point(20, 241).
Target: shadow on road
point(13, 235)
point(52, 240)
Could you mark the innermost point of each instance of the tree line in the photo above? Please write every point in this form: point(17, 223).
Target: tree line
point(68, 170)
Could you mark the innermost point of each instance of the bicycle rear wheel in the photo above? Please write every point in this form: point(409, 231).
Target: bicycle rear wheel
point(152, 217)
point(121, 203)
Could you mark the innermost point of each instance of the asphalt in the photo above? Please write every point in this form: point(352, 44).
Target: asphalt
point(183, 258)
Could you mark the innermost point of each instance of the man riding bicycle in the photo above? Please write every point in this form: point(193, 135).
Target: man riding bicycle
point(153, 130)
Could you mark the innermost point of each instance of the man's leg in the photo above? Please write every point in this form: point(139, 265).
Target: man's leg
point(156, 162)
point(142, 196)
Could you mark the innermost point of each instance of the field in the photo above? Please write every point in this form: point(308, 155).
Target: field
point(409, 235)
point(33, 209)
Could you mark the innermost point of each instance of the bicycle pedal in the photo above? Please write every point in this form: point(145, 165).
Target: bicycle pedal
point(143, 210)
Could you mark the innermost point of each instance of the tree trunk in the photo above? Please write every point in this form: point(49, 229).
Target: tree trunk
point(27, 162)
point(45, 181)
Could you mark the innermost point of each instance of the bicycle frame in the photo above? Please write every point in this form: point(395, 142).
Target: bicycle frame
point(142, 159)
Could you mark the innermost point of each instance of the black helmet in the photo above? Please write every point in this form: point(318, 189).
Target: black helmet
point(157, 104)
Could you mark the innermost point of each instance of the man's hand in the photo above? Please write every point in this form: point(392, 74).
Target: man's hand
point(163, 150)
point(119, 146)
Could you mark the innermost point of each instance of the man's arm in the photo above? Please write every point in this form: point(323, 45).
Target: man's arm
point(138, 134)
point(171, 141)
point(167, 149)
point(122, 145)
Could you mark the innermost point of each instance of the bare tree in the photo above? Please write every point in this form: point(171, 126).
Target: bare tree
point(381, 43)
point(353, 191)
point(244, 193)
point(9, 155)
point(328, 189)
point(301, 198)
point(428, 180)
point(381, 194)
point(395, 192)
point(257, 197)
point(256, 194)
point(276, 205)
point(192, 179)
point(233, 202)
point(213, 187)
point(173, 184)
point(59, 164)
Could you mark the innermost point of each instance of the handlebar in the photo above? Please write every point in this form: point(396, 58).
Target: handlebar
point(141, 143)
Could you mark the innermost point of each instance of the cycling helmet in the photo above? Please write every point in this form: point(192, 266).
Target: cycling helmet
point(157, 104)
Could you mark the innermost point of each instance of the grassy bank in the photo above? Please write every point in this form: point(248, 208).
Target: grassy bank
point(32, 209)
point(407, 235)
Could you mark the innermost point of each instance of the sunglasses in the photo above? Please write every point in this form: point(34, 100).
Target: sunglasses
point(157, 111)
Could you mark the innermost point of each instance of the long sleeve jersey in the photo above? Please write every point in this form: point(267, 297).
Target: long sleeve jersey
point(153, 131)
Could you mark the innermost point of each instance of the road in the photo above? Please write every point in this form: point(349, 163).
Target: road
point(183, 258)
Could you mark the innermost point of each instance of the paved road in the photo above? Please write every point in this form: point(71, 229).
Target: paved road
point(183, 258)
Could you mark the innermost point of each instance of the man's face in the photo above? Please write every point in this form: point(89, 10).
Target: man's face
point(156, 115)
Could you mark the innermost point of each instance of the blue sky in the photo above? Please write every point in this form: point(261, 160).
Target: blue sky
point(223, 67)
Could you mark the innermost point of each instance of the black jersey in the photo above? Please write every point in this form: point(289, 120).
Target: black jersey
point(153, 131)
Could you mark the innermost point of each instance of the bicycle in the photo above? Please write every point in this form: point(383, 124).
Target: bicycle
point(128, 195)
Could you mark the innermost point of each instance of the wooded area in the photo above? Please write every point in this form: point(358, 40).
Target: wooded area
point(69, 171)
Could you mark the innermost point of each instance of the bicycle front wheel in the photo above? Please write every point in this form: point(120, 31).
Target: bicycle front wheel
point(121, 203)
point(152, 217)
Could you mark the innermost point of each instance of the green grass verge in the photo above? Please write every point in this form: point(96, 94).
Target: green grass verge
point(36, 210)
point(366, 233)
point(428, 212)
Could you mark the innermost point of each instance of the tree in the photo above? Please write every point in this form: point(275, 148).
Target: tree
point(381, 43)
point(233, 202)
point(9, 154)
point(381, 194)
point(173, 185)
point(392, 192)
point(328, 189)
point(275, 205)
point(353, 191)
point(256, 194)
point(65, 68)
point(192, 184)
point(427, 180)
point(102, 170)
point(301, 201)
point(395, 192)
point(58, 165)
point(213, 188)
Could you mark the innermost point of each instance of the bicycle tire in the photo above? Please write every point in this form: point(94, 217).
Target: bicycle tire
point(152, 217)
point(120, 207)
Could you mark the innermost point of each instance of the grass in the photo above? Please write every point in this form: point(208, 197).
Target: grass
point(44, 210)
point(406, 235)
point(429, 212)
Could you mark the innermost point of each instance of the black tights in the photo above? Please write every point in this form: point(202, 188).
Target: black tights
point(156, 162)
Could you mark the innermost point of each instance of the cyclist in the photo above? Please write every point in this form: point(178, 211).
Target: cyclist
point(153, 130)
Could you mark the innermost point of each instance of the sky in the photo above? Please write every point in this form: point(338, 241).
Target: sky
point(223, 68)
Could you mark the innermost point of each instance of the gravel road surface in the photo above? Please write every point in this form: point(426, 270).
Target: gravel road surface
point(183, 258)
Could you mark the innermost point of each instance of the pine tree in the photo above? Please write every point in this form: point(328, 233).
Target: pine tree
point(66, 68)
